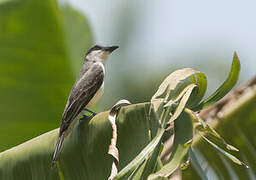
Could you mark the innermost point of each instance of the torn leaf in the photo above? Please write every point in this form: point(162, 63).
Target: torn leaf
point(113, 150)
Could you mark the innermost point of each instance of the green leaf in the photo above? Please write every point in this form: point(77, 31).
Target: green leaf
point(152, 162)
point(183, 133)
point(159, 164)
point(225, 87)
point(84, 154)
point(137, 173)
point(230, 170)
point(59, 171)
point(196, 164)
point(173, 85)
point(150, 153)
point(198, 93)
point(177, 89)
point(145, 153)
point(230, 156)
point(35, 58)
point(237, 126)
point(182, 103)
point(204, 127)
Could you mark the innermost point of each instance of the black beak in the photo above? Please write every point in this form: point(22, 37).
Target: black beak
point(110, 48)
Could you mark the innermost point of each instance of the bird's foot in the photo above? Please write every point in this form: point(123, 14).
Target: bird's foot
point(92, 113)
point(86, 118)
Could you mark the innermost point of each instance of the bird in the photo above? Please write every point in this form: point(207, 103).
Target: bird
point(85, 92)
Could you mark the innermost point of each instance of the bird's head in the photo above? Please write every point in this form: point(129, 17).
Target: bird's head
point(99, 53)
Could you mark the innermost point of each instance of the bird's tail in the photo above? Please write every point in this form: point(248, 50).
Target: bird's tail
point(57, 149)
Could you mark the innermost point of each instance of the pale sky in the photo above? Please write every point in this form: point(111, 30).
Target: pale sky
point(174, 30)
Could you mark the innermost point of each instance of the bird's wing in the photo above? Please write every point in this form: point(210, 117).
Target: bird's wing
point(81, 94)
point(88, 83)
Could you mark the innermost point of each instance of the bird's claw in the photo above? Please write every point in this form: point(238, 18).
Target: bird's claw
point(87, 118)
point(92, 113)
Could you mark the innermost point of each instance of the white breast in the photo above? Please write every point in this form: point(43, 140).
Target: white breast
point(96, 97)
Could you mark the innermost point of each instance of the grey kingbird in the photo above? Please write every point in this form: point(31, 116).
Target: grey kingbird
point(85, 92)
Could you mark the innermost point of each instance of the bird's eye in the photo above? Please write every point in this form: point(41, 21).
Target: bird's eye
point(96, 47)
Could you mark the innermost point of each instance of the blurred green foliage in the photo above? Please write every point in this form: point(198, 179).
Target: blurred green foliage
point(36, 54)
point(88, 143)
point(239, 130)
point(84, 154)
point(42, 45)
